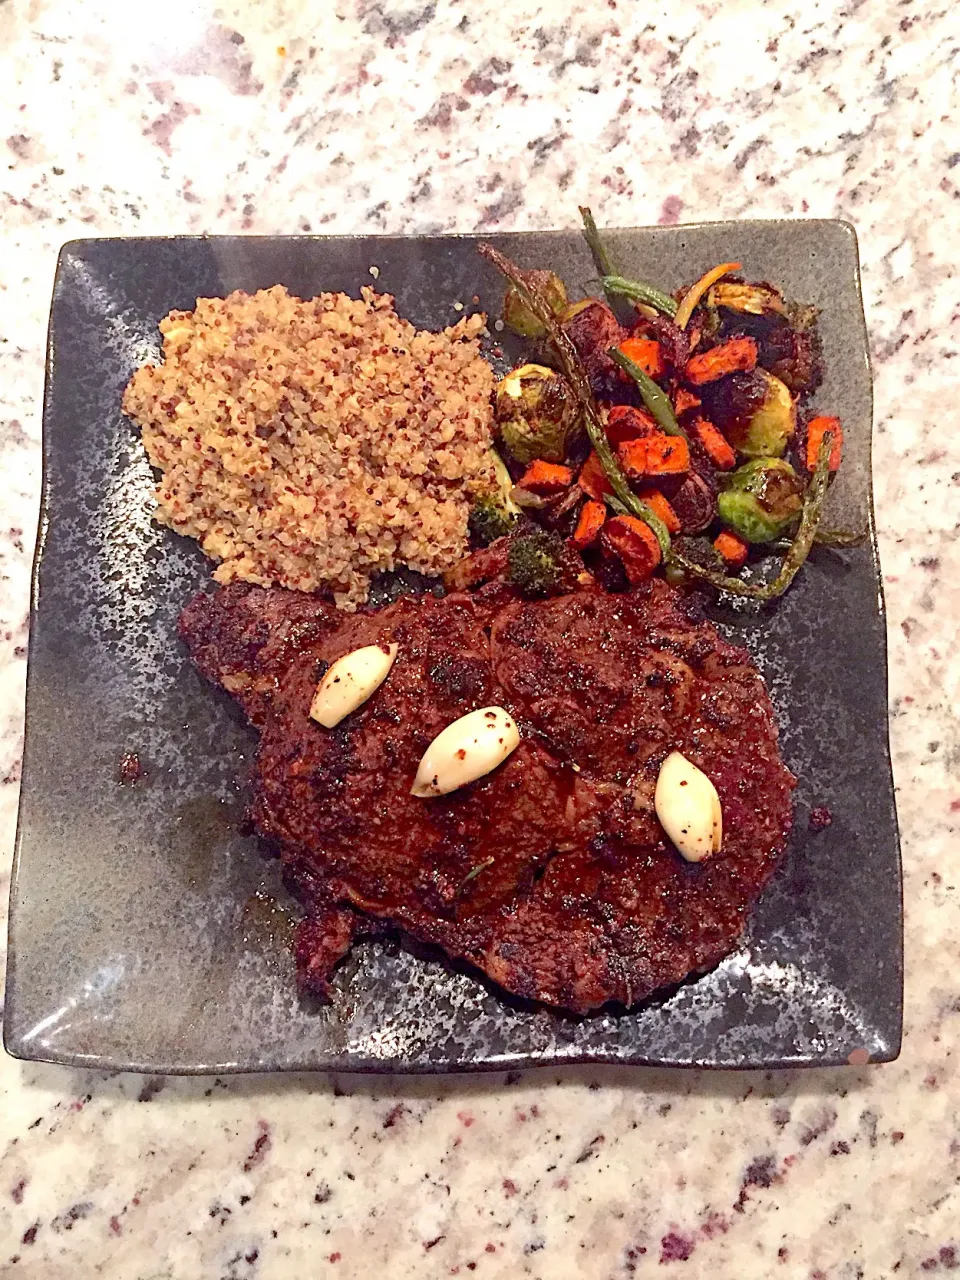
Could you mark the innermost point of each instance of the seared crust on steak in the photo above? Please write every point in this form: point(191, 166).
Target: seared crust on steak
point(584, 901)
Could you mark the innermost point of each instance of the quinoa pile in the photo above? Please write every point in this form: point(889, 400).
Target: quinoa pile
point(313, 444)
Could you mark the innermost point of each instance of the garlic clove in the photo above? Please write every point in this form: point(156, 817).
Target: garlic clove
point(466, 750)
point(350, 681)
point(688, 807)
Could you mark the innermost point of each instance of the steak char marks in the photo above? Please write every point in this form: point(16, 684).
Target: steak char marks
point(552, 874)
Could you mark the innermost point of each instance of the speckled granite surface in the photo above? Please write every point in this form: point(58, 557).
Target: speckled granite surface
point(422, 116)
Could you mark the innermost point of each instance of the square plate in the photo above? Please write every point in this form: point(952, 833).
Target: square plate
point(148, 933)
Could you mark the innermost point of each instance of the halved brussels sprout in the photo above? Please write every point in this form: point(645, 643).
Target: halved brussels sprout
point(538, 415)
point(769, 429)
point(761, 499)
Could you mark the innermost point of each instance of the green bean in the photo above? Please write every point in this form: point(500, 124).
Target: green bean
point(594, 243)
point(638, 291)
point(654, 396)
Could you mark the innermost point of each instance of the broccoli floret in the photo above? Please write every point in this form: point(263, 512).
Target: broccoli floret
point(541, 563)
point(489, 519)
point(494, 513)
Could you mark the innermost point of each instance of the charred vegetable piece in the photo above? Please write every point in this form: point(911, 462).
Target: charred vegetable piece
point(494, 513)
point(538, 416)
point(769, 429)
point(753, 299)
point(577, 376)
point(739, 355)
point(695, 503)
point(546, 478)
point(540, 563)
point(635, 544)
point(591, 520)
point(697, 290)
point(625, 422)
point(684, 400)
point(593, 479)
point(518, 316)
point(654, 396)
point(815, 432)
point(658, 503)
point(594, 243)
point(715, 445)
point(593, 328)
point(655, 455)
point(732, 548)
point(645, 354)
point(794, 559)
point(763, 499)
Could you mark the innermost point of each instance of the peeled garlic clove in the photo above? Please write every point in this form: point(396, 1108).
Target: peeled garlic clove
point(688, 807)
point(350, 681)
point(466, 750)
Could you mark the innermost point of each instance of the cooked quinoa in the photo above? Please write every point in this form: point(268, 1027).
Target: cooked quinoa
point(313, 444)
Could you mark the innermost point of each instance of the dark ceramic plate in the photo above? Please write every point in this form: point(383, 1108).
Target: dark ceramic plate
point(148, 933)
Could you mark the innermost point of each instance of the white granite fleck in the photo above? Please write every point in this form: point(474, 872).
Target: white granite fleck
point(422, 115)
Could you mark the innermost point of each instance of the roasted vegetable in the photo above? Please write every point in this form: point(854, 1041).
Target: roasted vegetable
point(715, 445)
point(697, 290)
point(767, 431)
point(592, 517)
point(695, 503)
point(537, 414)
point(494, 513)
point(815, 431)
point(518, 316)
point(679, 561)
point(753, 299)
point(576, 374)
point(637, 291)
point(540, 563)
point(732, 548)
point(738, 355)
point(762, 499)
point(645, 354)
point(593, 328)
point(655, 455)
point(654, 396)
point(625, 422)
point(545, 478)
point(658, 503)
point(635, 544)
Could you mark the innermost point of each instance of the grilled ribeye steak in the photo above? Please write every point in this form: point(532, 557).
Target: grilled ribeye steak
point(552, 874)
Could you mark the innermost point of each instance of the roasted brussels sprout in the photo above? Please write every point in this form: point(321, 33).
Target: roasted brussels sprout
point(762, 499)
point(538, 416)
point(767, 431)
point(493, 513)
point(753, 299)
point(518, 316)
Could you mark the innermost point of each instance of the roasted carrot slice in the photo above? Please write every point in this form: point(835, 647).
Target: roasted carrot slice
point(546, 478)
point(662, 508)
point(685, 400)
point(590, 522)
point(624, 422)
point(655, 455)
point(715, 444)
point(816, 429)
point(646, 353)
point(732, 547)
point(635, 544)
point(739, 355)
point(593, 479)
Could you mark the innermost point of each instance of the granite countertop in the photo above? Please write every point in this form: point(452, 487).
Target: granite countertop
point(429, 116)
